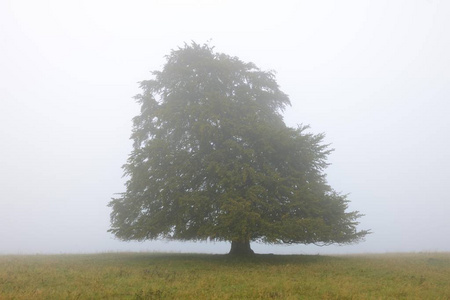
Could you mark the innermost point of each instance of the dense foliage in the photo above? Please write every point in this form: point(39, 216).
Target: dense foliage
point(214, 160)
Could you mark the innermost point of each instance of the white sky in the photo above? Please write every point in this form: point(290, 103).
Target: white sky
point(373, 75)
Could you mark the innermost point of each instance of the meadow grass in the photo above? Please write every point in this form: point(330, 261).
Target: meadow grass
point(201, 276)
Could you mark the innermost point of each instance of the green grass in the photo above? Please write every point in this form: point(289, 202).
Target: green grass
point(199, 276)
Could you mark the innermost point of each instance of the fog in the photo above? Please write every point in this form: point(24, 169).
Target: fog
point(373, 75)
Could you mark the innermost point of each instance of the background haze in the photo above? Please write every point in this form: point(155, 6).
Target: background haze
point(373, 75)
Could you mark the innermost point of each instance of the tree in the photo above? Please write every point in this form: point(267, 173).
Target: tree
point(214, 160)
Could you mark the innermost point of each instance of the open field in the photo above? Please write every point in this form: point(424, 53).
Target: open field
point(199, 276)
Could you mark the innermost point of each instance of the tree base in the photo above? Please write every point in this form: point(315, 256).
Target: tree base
point(241, 248)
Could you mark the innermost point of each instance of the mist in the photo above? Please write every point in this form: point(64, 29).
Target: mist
point(373, 75)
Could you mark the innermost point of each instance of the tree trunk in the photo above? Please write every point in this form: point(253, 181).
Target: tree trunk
point(241, 248)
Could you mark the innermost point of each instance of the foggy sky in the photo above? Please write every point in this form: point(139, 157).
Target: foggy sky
point(373, 75)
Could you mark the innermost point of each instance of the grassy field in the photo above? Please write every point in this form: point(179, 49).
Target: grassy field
point(199, 276)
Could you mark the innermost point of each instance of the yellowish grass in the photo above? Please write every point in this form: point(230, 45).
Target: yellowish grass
point(194, 276)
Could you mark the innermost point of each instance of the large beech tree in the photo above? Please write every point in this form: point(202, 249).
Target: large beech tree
point(213, 160)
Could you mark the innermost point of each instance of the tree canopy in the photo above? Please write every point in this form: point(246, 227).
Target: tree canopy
point(214, 160)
